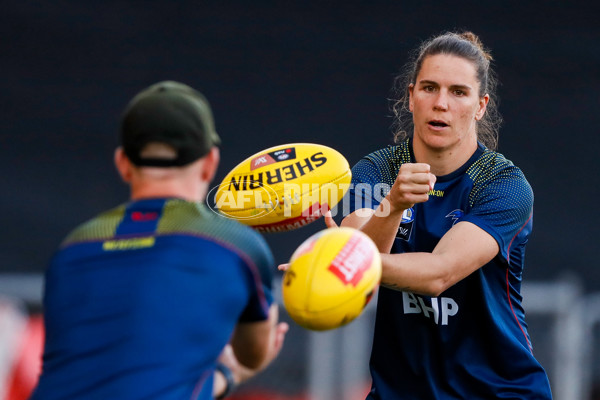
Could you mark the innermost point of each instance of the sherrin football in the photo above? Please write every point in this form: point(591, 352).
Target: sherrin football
point(284, 187)
point(331, 278)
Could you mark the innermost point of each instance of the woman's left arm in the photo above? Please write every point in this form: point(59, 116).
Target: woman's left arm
point(462, 250)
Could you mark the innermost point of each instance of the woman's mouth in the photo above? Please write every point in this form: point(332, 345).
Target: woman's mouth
point(437, 124)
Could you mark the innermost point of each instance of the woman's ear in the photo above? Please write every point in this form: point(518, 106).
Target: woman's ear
point(483, 101)
point(124, 166)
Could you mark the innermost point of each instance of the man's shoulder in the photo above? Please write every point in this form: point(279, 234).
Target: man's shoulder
point(177, 218)
point(197, 219)
point(100, 227)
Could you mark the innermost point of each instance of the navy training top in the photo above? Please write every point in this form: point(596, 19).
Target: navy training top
point(471, 342)
point(140, 301)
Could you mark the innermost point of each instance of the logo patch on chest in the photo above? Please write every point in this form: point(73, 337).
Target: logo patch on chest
point(456, 215)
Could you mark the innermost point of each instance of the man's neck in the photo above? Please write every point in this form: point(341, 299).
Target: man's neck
point(189, 192)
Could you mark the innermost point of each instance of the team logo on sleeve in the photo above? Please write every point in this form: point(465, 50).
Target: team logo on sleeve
point(456, 216)
point(405, 228)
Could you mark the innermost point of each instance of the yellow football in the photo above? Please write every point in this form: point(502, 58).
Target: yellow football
point(284, 187)
point(331, 278)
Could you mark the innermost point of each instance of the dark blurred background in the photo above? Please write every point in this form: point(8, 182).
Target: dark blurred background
point(277, 72)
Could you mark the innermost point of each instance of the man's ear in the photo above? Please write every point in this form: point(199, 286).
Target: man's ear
point(211, 163)
point(123, 165)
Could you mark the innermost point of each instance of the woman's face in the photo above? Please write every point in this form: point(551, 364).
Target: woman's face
point(445, 103)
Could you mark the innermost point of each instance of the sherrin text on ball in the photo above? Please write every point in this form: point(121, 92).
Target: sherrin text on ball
point(284, 187)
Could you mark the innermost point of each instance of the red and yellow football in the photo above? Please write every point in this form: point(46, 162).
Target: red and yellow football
point(331, 278)
point(284, 187)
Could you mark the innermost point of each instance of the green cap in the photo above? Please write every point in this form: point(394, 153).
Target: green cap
point(171, 113)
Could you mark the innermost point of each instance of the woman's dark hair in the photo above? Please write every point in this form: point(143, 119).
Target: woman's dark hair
point(465, 45)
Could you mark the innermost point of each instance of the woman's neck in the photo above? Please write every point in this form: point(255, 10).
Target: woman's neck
point(444, 161)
